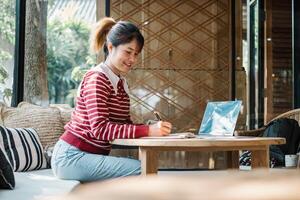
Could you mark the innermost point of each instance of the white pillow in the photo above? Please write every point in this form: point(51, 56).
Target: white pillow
point(23, 148)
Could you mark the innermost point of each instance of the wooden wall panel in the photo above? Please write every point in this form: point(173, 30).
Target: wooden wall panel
point(185, 61)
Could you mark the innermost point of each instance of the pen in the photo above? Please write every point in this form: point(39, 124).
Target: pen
point(157, 116)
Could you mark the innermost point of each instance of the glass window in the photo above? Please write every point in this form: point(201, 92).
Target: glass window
point(7, 39)
point(68, 30)
point(267, 58)
point(56, 49)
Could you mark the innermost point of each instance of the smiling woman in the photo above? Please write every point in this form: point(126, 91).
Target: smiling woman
point(122, 42)
point(125, 57)
point(102, 110)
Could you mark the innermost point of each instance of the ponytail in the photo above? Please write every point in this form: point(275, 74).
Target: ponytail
point(98, 36)
point(107, 29)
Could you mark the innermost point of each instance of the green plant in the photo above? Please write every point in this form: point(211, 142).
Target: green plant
point(67, 57)
point(7, 35)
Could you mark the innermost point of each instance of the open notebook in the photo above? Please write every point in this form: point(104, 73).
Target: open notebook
point(219, 119)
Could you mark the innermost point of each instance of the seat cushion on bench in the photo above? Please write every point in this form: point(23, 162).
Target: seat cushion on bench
point(37, 184)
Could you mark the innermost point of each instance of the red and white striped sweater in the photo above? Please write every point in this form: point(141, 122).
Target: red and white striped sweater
point(101, 114)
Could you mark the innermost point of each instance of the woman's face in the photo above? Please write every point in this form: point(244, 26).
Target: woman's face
point(123, 57)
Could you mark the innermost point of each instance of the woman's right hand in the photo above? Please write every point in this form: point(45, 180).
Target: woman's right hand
point(160, 128)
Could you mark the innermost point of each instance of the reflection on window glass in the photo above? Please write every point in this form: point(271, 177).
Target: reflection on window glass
point(7, 39)
point(68, 58)
point(281, 62)
point(256, 57)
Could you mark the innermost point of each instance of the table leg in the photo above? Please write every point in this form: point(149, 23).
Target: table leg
point(149, 161)
point(260, 158)
point(233, 159)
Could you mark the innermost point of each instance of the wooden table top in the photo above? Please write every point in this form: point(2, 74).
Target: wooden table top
point(215, 185)
point(202, 142)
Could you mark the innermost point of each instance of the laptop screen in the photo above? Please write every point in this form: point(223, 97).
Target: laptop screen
point(220, 118)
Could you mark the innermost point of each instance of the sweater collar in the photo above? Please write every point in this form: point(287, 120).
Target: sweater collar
point(114, 79)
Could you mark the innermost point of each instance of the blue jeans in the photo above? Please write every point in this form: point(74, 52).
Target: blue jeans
point(68, 162)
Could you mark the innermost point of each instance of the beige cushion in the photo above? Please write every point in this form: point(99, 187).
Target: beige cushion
point(46, 121)
point(2, 106)
point(65, 112)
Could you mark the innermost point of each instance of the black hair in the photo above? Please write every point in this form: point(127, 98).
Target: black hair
point(118, 33)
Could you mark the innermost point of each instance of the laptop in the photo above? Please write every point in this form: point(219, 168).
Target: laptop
point(220, 118)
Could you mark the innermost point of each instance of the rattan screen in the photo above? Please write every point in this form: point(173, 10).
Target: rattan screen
point(185, 61)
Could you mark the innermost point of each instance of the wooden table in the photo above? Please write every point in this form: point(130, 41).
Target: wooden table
point(213, 185)
point(149, 149)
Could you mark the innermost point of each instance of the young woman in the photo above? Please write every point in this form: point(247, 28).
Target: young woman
point(102, 111)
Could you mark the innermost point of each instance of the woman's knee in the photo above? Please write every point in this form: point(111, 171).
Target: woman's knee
point(131, 167)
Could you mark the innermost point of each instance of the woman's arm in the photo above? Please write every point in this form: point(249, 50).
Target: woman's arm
point(95, 92)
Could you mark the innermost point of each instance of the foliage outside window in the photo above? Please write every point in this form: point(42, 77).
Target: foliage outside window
point(67, 52)
point(68, 55)
point(67, 58)
point(7, 36)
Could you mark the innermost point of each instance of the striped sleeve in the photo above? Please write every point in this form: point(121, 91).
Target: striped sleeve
point(95, 93)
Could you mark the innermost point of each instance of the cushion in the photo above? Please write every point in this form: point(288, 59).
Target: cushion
point(23, 148)
point(48, 151)
point(46, 121)
point(38, 185)
point(65, 112)
point(7, 179)
point(2, 106)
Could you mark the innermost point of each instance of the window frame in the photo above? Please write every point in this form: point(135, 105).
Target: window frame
point(18, 75)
